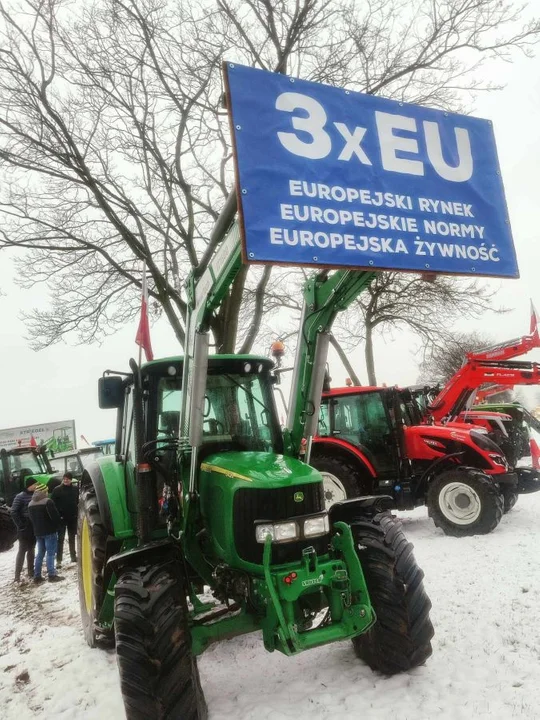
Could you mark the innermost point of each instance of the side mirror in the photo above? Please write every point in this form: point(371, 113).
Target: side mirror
point(110, 392)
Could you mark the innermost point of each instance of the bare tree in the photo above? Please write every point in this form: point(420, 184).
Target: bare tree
point(114, 148)
point(447, 357)
point(397, 301)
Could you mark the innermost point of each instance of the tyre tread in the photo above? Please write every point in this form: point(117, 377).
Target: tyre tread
point(158, 673)
point(8, 531)
point(401, 637)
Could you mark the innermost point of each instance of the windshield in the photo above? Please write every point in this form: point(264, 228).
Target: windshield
point(27, 461)
point(239, 409)
point(238, 413)
point(169, 403)
point(88, 458)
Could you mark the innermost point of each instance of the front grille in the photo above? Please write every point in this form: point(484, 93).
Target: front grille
point(251, 504)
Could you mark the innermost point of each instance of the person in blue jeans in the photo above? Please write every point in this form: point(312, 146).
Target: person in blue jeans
point(45, 520)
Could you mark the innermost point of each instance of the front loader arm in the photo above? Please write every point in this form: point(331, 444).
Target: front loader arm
point(508, 350)
point(458, 391)
point(325, 295)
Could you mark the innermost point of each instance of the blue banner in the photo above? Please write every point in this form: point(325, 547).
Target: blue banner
point(340, 179)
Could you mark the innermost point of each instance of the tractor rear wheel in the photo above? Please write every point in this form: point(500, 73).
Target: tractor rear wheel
point(8, 531)
point(341, 479)
point(510, 497)
point(158, 672)
point(465, 502)
point(401, 637)
point(92, 541)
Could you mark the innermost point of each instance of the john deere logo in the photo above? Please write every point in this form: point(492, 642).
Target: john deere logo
point(298, 497)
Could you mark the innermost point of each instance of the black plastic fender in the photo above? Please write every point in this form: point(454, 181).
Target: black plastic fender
point(92, 475)
point(368, 506)
point(528, 480)
point(149, 553)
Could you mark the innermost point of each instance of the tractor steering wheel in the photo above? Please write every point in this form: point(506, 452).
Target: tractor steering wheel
point(215, 427)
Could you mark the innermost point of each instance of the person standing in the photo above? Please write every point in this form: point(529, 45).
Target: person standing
point(45, 520)
point(66, 499)
point(25, 531)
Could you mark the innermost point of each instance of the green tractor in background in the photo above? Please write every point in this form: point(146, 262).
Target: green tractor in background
point(16, 464)
point(205, 495)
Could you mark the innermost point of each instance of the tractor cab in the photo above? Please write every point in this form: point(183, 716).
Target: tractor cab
point(74, 461)
point(237, 410)
point(17, 464)
point(236, 417)
point(366, 418)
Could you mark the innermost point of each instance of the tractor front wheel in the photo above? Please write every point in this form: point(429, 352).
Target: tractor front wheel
point(401, 637)
point(510, 497)
point(465, 502)
point(158, 672)
point(92, 540)
point(8, 531)
point(341, 479)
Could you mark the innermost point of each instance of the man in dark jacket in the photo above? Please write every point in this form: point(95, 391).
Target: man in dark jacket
point(25, 532)
point(45, 521)
point(66, 499)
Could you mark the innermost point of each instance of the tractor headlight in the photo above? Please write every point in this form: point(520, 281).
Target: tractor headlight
point(279, 532)
point(498, 460)
point(262, 532)
point(285, 531)
point(297, 529)
point(316, 526)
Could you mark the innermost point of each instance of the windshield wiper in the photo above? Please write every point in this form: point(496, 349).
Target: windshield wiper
point(248, 392)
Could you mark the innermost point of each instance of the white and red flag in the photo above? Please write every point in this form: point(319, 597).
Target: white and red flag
point(534, 321)
point(143, 331)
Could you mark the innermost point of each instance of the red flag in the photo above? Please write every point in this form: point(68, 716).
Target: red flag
point(535, 453)
point(143, 331)
point(534, 321)
point(33, 442)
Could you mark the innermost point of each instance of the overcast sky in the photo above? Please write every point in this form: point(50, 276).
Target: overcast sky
point(60, 383)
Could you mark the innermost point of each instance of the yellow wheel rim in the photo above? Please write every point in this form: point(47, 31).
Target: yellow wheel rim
point(86, 562)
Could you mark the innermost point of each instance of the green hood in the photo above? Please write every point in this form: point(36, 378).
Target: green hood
point(267, 469)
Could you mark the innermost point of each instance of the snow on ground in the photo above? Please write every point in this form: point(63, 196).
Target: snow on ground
point(486, 612)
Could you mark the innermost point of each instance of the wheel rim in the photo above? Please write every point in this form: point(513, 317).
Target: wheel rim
point(334, 490)
point(86, 564)
point(459, 503)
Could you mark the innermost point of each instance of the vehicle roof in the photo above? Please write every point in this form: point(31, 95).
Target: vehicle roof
point(354, 390)
point(77, 451)
point(211, 359)
point(25, 448)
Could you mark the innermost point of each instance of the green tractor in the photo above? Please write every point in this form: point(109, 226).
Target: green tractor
point(16, 464)
point(205, 525)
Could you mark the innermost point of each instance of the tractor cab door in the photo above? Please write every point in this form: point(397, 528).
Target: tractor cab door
point(363, 420)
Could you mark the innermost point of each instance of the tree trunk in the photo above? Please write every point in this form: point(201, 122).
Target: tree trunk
point(345, 360)
point(225, 323)
point(370, 360)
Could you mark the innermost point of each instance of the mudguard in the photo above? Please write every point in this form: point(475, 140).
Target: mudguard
point(348, 448)
point(107, 476)
point(150, 552)
point(368, 506)
point(528, 480)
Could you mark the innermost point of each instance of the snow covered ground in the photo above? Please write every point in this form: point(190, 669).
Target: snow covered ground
point(485, 664)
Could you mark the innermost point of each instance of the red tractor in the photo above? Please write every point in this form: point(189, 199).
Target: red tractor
point(509, 425)
point(372, 440)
